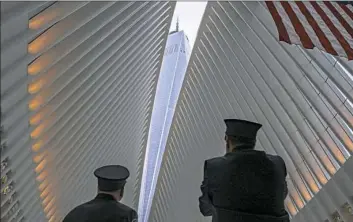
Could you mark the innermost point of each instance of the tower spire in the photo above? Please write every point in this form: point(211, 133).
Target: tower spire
point(177, 24)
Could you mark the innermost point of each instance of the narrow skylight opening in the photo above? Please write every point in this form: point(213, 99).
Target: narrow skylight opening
point(187, 17)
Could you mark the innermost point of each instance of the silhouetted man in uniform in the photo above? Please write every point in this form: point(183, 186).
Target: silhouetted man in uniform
point(245, 185)
point(106, 206)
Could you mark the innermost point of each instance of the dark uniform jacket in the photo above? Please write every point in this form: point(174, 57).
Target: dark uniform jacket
point(244, 186)
point(104, 208)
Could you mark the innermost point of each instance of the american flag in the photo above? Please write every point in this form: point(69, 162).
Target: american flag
point(326, 25)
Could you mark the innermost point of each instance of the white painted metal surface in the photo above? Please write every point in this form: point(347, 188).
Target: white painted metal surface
point(303, 98)
point(77, 86)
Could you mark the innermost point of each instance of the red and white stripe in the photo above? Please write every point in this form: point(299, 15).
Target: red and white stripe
point(325, 25)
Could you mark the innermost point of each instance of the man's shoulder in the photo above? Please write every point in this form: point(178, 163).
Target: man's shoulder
point(275, 158)
point(278, 161)
point(125, 208)
point(109, 208)
point(215, 161)
point(77, 211)
point(83, 206)
point(127, 212)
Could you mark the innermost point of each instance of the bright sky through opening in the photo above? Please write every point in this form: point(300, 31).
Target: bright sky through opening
point(190, 15)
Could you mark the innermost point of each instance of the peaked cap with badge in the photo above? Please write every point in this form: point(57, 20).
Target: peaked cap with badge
point(111, 177)
point(243, 128)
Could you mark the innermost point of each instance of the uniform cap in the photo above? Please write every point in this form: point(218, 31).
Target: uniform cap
point(112, 177)
point(244, 128)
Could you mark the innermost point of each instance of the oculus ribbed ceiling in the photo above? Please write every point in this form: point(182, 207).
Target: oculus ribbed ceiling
point(77, 86)
point(303, 98)
point(78, 81)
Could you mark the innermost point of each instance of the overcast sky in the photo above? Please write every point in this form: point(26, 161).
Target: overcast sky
point(190, 15)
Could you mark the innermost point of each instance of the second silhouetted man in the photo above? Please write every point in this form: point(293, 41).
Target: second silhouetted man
point(245, 185)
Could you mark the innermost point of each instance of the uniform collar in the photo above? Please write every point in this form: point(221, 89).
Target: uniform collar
point(104, 196)
point(244, 151)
